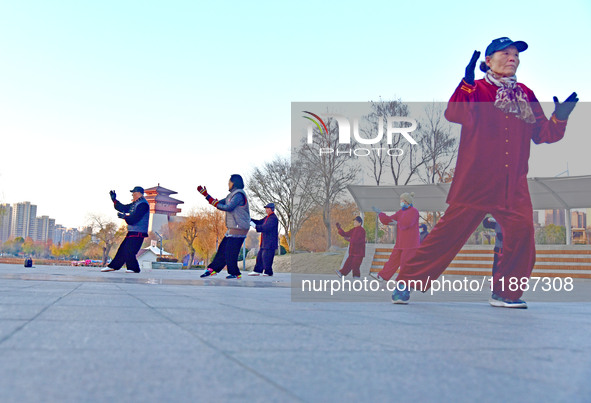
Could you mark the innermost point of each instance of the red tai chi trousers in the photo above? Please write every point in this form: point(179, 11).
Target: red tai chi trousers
point(352, 264)
point(397, 259)
point(453, 230)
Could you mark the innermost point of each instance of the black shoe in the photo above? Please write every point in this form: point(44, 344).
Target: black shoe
point(209, 272)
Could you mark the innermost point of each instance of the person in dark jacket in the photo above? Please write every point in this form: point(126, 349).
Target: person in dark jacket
point(137, 217)
point(269, 229)
point(356, 238)
point(237, 222)
point(423, 231)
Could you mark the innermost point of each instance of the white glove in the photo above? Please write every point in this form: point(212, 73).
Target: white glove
point(252, 224)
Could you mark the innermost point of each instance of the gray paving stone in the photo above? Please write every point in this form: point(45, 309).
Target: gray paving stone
point(73, 313)
point(41, 334)
point(141, 375)
point(19, 311)
point(214, 313)
point(68, 334)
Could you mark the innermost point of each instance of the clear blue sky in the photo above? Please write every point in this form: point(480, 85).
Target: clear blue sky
point(107, 95)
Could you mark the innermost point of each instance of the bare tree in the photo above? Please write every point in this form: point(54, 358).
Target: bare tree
point(284, 184)
point(330, 172)
point(302, 201)
point(439, 145)
point(380, 161)
point(104, 232)
point(403, 165)
point(381, 110)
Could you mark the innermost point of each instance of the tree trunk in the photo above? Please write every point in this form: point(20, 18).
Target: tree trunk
point(375, 240)
point(326, 219)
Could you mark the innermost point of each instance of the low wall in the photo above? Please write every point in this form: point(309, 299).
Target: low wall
point(551, 260)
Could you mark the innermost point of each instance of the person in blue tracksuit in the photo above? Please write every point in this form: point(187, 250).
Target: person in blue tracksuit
point(137, 216)
point(423, 232)
point(491, 223)
point(269, 229)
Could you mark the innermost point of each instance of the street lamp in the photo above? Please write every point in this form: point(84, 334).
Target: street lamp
point(160, 237)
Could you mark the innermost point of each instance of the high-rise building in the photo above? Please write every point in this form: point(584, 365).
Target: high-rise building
point(5, 222)
point(58, 234)
point(43, 229)
point(50, 229)
point(555, 217)
point(23, 219)
point(71, 235)
point(34, 228)
point(578, 219)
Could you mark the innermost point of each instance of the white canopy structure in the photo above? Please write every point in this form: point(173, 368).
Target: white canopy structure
point(563, 193)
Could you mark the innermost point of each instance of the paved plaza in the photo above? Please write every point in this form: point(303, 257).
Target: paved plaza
point(71, 334)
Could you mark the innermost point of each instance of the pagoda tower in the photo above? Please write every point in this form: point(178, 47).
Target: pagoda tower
point(162, 207)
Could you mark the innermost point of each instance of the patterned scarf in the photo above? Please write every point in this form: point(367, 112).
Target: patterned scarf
point(510, 97)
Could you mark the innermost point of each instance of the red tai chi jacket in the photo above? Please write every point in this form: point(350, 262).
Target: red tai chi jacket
point(494, 146)
point(356, 237)
point(407, 236)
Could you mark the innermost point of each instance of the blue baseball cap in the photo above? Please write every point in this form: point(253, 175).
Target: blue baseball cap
point(137, 189)
point(502, 43)
point(271, 206)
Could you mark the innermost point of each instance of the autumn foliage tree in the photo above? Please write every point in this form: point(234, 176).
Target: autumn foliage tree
point(199, 233)
point(187, 230)
point(32, 248)
point(313, 237)
point(105, 234)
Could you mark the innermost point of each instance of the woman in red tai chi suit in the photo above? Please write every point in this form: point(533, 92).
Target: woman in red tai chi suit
point(500, 118)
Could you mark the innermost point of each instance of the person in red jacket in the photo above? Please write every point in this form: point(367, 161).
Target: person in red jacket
point(356, 238)
point(407, 236)
point(500, 118)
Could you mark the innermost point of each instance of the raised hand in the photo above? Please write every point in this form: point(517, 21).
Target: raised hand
point(563, 110)
point(202, 190)
point(113, 195)
point(469, 76)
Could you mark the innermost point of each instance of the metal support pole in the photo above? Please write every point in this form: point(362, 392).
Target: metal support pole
point(568, 225)
point(160, 239)
point(244, 255)
point(376, 229)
